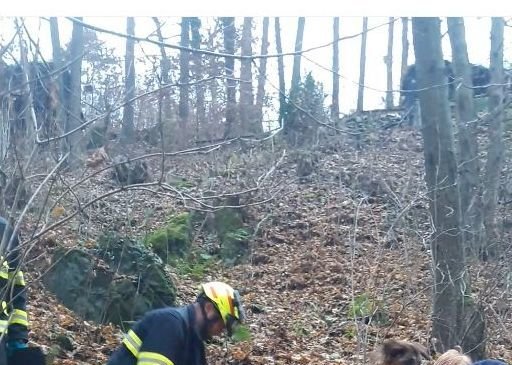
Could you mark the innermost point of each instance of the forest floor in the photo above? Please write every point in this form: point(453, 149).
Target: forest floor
point(340, 260)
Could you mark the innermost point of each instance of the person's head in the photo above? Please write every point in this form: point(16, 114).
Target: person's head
point(453, 357)
point(221, 308)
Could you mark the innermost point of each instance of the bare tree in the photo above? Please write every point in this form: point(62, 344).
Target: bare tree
point(280, 71)
point(405, 48)
point(184, 73)
point(246, 105)
point(362, 66)
point(495, 151)
point(469, 166)
point(450, 278)
point(262, 74)
point(165, 62)
point(75, 99)
point(335, 105)
point(197, 58)
point(229, 47)
point(129, 70)
point(297, 58)
point(58, 62)
point(389, 65)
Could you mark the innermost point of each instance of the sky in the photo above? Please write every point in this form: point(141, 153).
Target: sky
point(318, 31)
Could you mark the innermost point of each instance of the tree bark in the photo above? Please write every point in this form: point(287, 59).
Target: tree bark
point(468, 166)
point(335, 105)
point(495, 151)
point(362, 66)
point(128, 130)
point(280, 71)
point(229, 48)
point(405, 48)
point(262, 75)
point(183, 108)
point(450, 277)
point(197, 59)
point(389, 65)
point(298, 57)
point(246, 105)
point(75, 98)
point(60, 119)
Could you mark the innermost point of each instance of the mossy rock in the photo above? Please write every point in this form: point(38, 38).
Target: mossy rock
point(235, 246)
point(126, 283)
point(232, 232)
point(172, 240)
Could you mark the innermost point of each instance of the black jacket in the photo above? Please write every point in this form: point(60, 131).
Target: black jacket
point(162, 337)
point(13, 300)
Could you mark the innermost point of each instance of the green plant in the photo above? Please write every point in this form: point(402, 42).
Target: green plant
point(299, 328)
point(241, 333)
point(361, 306)
point(195, 265)
point(239, 234)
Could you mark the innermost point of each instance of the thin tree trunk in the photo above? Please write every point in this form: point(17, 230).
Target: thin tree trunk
point(389, 65)
point(246, 107)
point(229, 48)
point(183, 108)
point(496, 147)
point(450, 278)
point(280, 71)
point(335, 105)
point(197, 58)
point(469, 166)
point(58, 63)
point(260, 95)
point(405, 48)
point(165, 63)
point(75, 98)
point(362, 66)
point(164, 111)
point(128, 130)
point(298, 57)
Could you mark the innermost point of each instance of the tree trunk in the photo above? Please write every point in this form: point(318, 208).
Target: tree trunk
point(165, 63)
point(246, 105)
point(183, 109)
point(362, 66)
point(335, 105)
point(75, 98)
point(405, 48)
point(58, 63)
point(197, 58)
point(496, 147)
point(128, 129)
point(298, 57)
point(229, 48)
point(389, 65)
point(164, 110)
point(450, 278)
point(469, 167)
point(280, 71)
point(262, 75)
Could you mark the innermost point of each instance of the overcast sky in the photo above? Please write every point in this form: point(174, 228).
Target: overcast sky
point(318, 31)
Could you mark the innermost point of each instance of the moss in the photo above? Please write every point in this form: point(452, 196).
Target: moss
point(173, 239)
point(195, 266)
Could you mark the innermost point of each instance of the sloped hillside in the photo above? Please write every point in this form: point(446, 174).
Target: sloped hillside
point(339, 250)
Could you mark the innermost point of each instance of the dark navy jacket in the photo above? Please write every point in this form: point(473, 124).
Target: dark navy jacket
point(162, 337)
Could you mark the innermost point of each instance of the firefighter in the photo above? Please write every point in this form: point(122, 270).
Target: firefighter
point(175, 336)
point(13, 314)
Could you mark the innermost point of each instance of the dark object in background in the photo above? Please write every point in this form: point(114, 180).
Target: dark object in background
point(27, 356)
point(480, 76)
point(396, 352)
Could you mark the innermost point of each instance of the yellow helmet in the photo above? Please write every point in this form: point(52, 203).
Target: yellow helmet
point(227, 301)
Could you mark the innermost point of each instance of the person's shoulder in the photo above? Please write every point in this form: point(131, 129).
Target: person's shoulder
point(166, 315)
